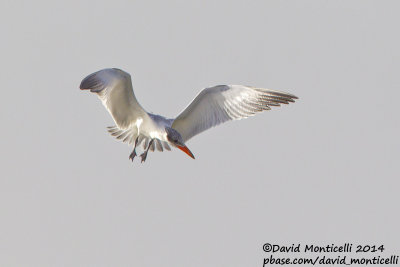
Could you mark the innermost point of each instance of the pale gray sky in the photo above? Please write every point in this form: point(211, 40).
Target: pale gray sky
point(323, 170)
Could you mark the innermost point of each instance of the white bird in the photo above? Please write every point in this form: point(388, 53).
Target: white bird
point(211, 107)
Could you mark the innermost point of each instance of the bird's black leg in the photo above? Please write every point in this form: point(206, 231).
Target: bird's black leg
point(133, 154)
point(144, 155)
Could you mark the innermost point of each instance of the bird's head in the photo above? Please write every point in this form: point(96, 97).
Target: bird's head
point(175, 138)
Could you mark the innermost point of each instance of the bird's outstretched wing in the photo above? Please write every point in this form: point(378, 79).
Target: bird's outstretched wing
point(222, 103)
point(114, 88)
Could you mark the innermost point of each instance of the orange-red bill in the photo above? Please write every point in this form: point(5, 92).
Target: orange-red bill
point(186, 150)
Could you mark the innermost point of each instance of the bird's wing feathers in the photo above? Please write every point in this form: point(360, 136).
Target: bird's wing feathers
point(127, 136)
point(114, 88)
point(222, 103)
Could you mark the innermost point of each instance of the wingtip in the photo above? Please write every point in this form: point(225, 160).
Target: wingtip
point(82, 88)
point(92, 82)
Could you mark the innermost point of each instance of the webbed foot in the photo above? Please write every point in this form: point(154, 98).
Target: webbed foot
point(144, 155)
point(133, 154)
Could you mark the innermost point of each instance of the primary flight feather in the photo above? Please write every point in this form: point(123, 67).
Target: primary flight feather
point(211, 107)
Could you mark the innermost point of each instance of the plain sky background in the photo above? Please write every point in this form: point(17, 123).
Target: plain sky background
point(323, 170)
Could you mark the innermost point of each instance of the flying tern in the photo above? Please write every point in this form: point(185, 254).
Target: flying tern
point(211, 107)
